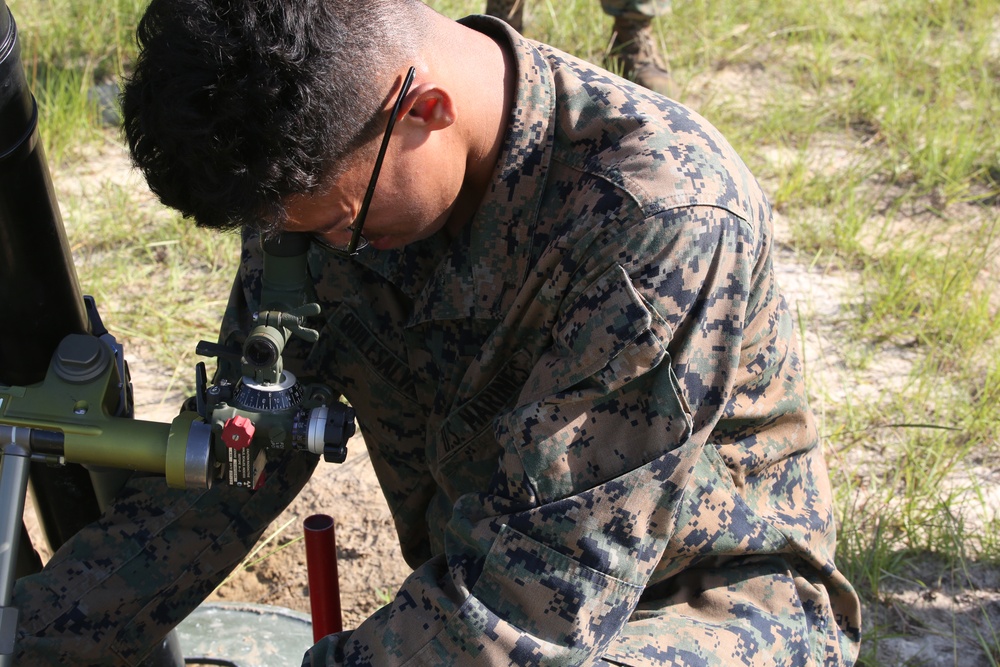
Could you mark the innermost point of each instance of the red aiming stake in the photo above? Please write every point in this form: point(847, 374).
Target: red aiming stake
point(324, 584)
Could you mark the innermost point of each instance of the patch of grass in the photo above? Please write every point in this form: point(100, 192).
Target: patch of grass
point(255, 557)
point(384, 595)
point(193, 272)
point(68, 47)
point(69, 35)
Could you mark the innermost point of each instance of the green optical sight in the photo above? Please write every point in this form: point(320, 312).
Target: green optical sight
point(223, 434)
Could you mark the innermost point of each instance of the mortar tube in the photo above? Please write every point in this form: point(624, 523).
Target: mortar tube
point(39, 290)
point(324, 583)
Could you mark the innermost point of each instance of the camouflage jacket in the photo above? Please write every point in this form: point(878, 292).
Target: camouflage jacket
point(586, 411)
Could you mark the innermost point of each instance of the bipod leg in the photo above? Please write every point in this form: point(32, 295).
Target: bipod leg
point(14, 460)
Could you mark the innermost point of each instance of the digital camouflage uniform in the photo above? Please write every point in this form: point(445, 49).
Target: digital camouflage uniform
point(121, 584)
point(586, 413)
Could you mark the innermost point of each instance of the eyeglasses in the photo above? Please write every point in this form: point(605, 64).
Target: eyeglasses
point(358, 241)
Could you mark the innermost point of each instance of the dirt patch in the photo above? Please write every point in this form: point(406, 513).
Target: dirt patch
point(369, 563)
point(939, 614)
point(934, 613)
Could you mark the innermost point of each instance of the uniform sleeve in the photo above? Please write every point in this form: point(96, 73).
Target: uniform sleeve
point(546, 565)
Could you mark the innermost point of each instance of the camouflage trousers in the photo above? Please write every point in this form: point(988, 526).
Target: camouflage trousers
point(116, 588)
point(634, 9)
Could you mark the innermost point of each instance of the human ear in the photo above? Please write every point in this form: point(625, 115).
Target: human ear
point(430, 106)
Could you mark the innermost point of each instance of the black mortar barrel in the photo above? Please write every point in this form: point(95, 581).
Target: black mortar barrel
point(40, 297)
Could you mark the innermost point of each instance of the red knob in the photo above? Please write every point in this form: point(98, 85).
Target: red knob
point(237, 432)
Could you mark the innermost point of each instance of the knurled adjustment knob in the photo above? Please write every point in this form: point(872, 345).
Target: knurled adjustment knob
point(338, 430)
point(237, 432)
point(334, 453)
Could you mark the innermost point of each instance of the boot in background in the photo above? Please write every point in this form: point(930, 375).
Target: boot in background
point(634, 47)
point(511, 11)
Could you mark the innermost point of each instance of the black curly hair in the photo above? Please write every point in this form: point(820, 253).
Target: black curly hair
point(233, 105)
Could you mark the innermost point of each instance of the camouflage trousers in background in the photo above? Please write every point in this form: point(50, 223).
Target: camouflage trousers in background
point(633, 9)
point(116, 588)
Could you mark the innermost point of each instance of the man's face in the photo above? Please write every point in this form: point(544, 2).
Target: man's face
point(414, 195)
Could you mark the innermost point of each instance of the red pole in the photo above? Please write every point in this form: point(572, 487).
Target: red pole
point(324, 586)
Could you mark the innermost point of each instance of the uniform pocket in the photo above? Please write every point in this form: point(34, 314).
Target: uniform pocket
point(532, 605)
